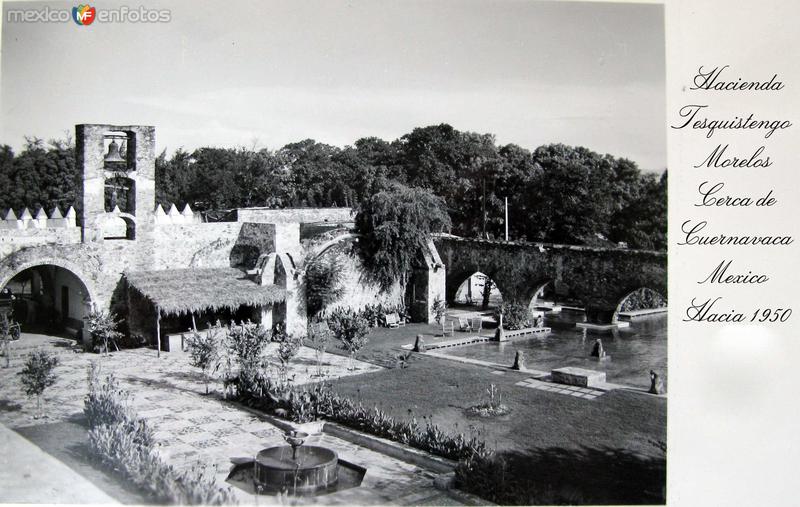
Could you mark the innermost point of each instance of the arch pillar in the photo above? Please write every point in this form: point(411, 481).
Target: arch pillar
point(280, 270)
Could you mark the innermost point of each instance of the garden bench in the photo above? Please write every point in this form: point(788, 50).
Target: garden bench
point(394, 320)
point(447, 327)
point(464, 324)
point(477, 325)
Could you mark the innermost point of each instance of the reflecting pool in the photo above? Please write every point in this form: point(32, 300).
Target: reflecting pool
point(633, 351)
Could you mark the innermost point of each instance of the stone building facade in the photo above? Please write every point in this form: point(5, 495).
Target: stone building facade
point(76, 259)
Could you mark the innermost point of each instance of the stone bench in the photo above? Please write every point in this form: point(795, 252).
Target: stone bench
point(578, 376)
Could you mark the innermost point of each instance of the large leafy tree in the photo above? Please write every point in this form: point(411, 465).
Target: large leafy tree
point(395, 225)
point(642, 222)
point(556, 193)
point(42, 175)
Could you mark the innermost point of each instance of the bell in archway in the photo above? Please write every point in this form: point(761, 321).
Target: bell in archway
point(113, 153)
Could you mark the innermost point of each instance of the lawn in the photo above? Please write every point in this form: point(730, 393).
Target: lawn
point(604, 451)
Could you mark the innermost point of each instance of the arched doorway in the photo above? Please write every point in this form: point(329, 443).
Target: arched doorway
point(47, 298)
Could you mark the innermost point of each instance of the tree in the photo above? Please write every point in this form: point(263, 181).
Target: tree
point(351, 329)
point(37, 375)
point(319, 335)
point(288, 347)
point(642, 222)
point(395, 225)
point(204, 351)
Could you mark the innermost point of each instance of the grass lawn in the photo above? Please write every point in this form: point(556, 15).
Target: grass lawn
point(601, 451)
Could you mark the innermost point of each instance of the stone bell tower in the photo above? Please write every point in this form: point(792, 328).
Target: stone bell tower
point(116, 187)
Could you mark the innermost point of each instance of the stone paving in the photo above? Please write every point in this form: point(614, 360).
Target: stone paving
point(196, 429)
point(576, 391)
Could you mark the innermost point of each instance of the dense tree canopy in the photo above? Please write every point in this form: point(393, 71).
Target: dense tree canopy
point(556, 193)
point(395, 225)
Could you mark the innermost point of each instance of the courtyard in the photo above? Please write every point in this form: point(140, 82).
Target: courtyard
point(603, 449)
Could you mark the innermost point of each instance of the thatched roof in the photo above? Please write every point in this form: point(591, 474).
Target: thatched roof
point(178, 291)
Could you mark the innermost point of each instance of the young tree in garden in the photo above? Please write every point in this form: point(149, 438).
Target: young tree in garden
point(102, 326)
point(319, 335)
point(351, 329)
point(204, 351)
point(288, 346)
point(395, 225)
point(37, 375)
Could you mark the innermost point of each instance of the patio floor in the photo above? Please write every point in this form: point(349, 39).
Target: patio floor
point(195, 429)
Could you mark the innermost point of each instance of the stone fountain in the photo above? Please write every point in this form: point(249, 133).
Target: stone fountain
point(295, 468)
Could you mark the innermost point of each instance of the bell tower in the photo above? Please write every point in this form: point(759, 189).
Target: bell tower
point(116, 187)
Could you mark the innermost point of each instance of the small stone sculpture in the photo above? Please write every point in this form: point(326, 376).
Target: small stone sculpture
point(597, 350)
point(519, 361)
point(656, 384)
point(419, 345)
point(500, 334)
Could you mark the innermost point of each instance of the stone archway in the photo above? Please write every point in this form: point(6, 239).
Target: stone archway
point(648, 297)
point(59, 296)
point(538, 291)
point(477, 289)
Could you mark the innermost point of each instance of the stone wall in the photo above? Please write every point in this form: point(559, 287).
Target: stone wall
point(295, 215)
point(12, 240)
point(358, 292)
point(600, 278)
point(206, 245)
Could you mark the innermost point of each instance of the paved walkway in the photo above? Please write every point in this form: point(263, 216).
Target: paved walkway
point(29, 475)
point(195, 429)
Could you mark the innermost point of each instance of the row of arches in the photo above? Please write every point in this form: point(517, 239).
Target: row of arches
point(480, 291)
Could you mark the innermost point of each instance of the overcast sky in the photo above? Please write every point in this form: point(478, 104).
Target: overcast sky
point(235, 73)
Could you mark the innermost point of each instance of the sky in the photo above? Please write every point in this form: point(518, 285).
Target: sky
point(266, 73)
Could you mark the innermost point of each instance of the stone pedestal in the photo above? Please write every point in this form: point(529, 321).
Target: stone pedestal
point(578, 376)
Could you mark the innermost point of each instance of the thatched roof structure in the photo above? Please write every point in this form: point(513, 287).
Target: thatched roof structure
point(179, 291)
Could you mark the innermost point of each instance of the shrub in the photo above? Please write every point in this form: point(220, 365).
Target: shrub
point(493, 406)
point(107, 404)
point(125, 443)
point(515, 316)
point(288, 346)
point(306, 405)
point(102, 327)
point(118, 449)
point(37, 375)
point(246, 343)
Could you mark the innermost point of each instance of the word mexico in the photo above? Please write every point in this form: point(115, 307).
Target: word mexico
point(693, 237)
point(690, 113)
point(711, 80)
point(719, 275)
point(705, 311)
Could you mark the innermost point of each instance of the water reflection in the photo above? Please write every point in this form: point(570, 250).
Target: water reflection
point(633, 351)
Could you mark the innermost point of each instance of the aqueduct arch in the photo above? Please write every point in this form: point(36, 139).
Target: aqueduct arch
point(597, 277)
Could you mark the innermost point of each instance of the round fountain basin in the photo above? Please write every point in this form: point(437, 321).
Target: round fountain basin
point(314, 469)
